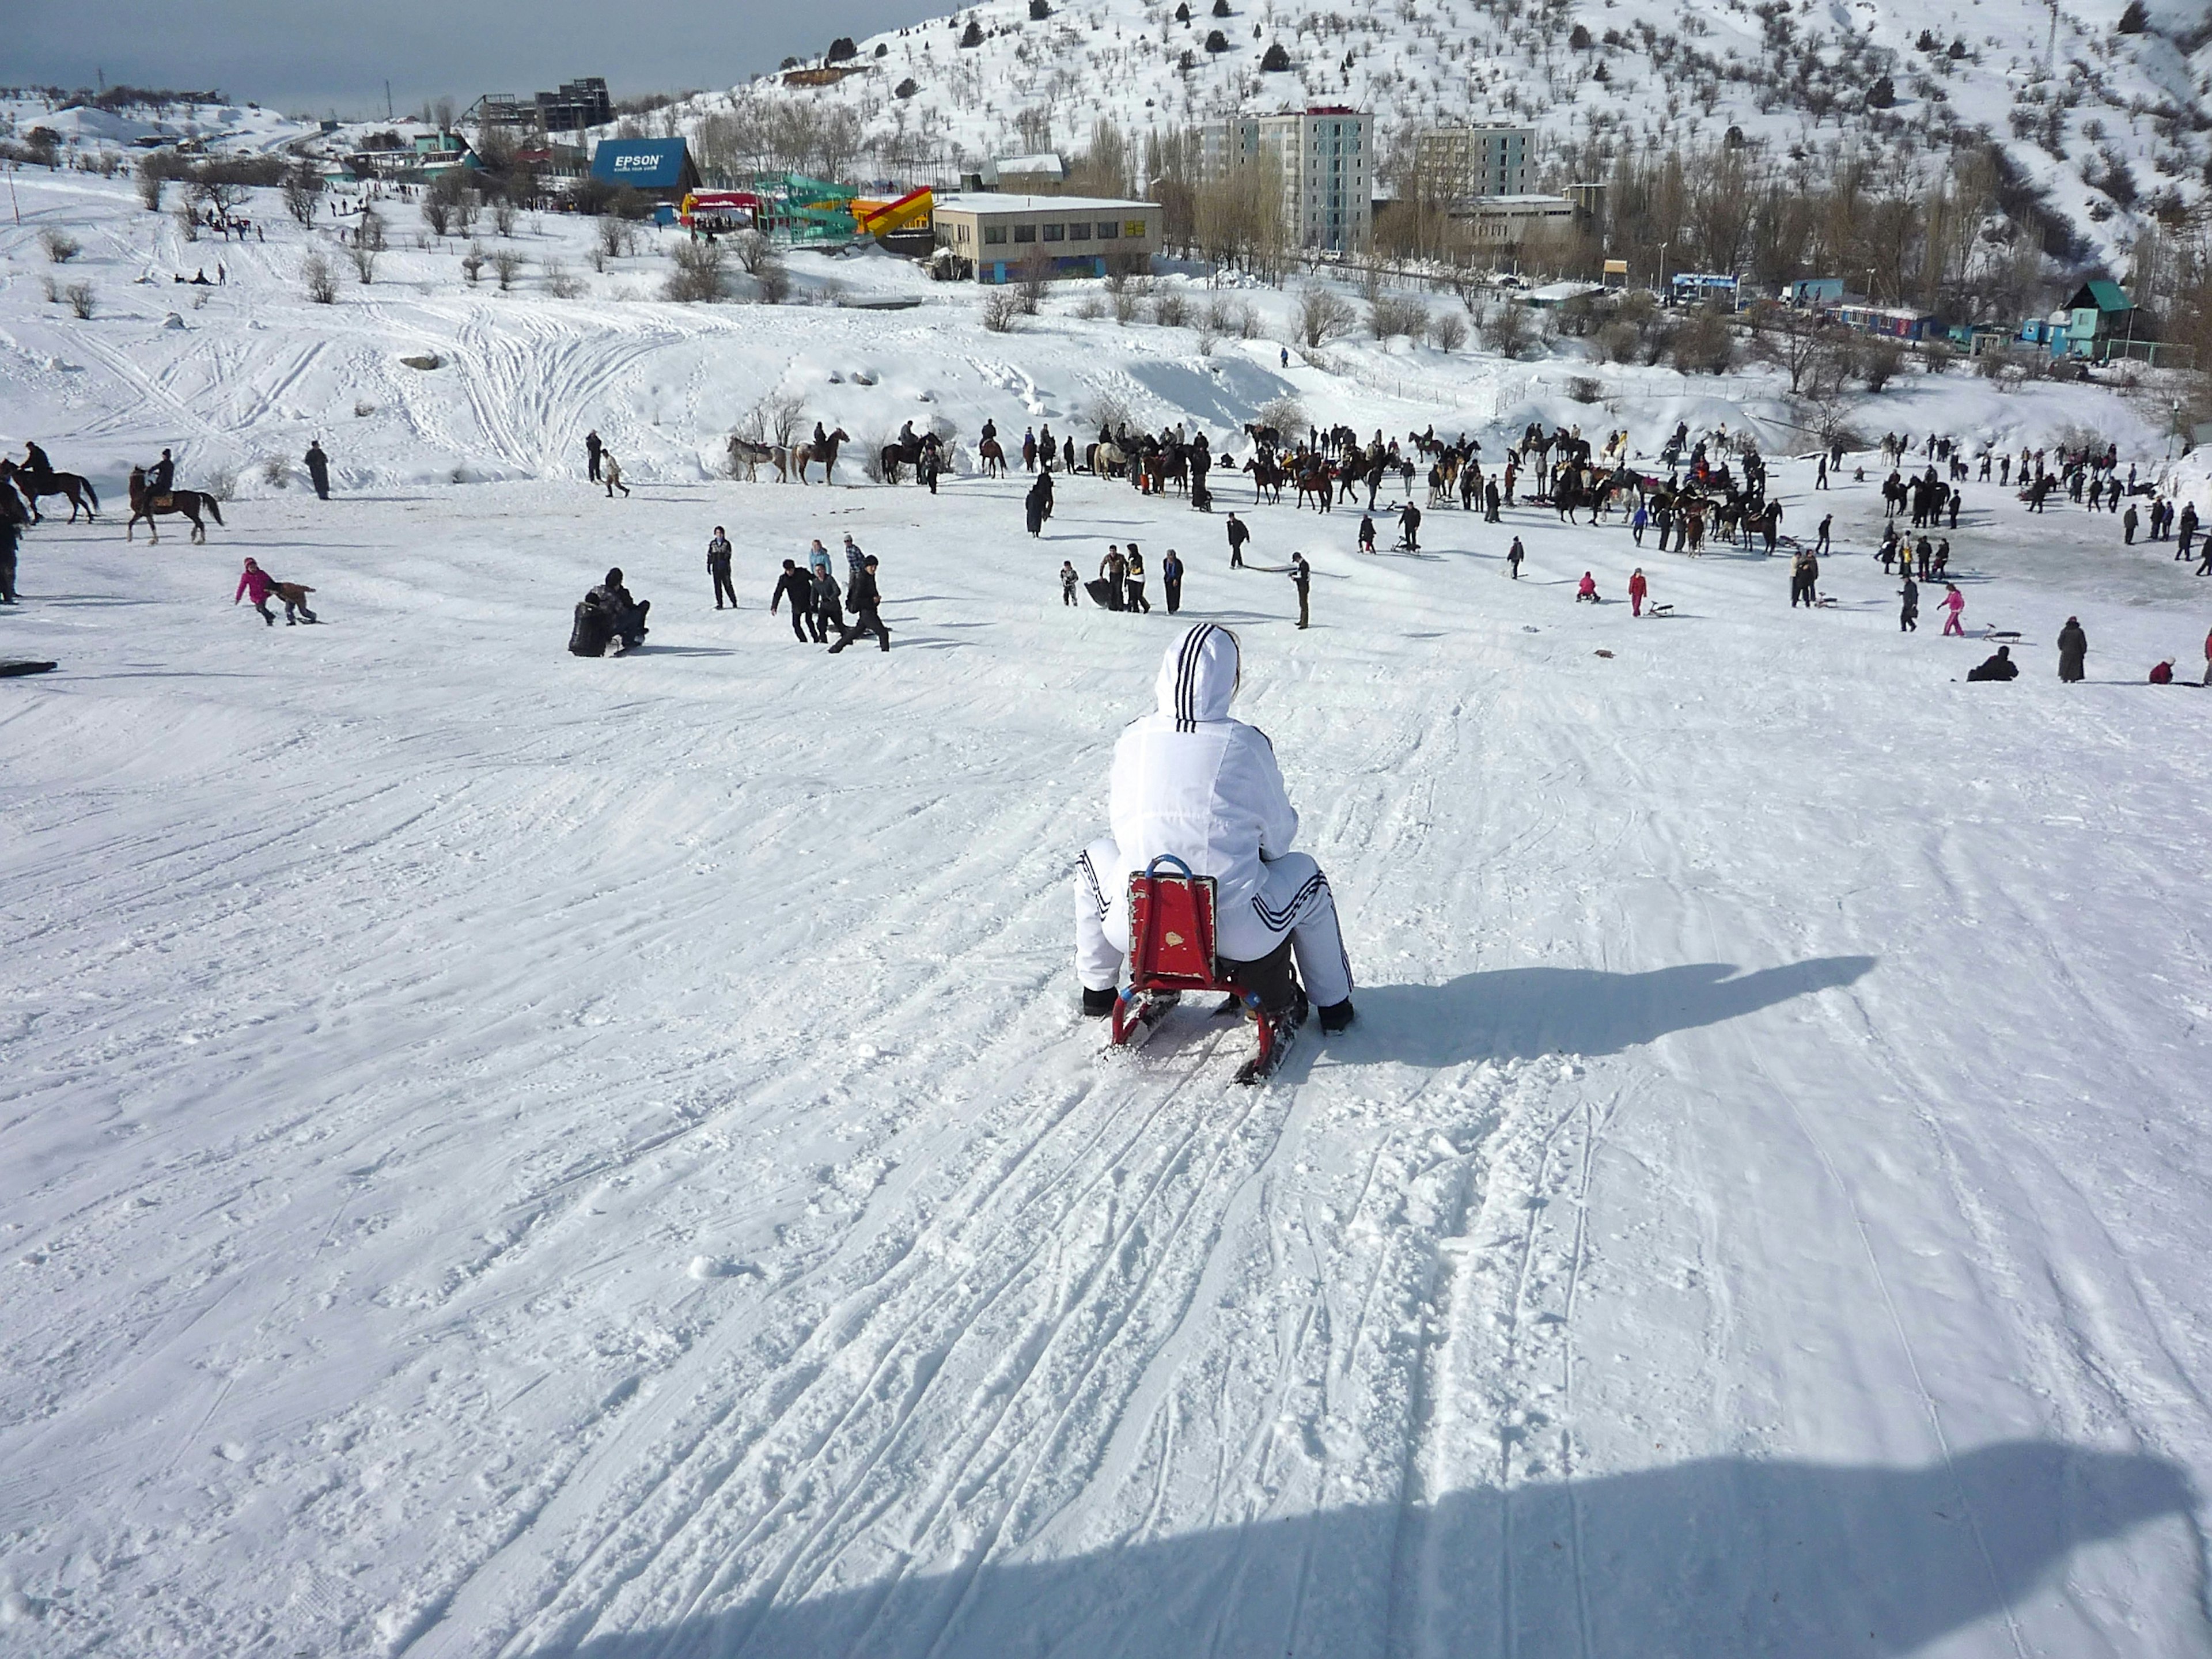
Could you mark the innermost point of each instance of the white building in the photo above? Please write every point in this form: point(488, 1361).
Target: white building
point(1327, 154)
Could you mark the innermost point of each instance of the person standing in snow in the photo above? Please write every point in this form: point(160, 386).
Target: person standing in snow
point(318, 469)
point(1908, 615)
point(1191, 783)
point(1820, 540)
point(855, 561)
point(610, 472)
point(1513, 557)
point(796, 584)
point(2073, 651)
point(1132, 581)
point(1171, 580)
point(1409, 529)
point(862, 598)
point(2128, 523)
point(1302, 573)
point(1955, 602)
point(591, 448)
point(1114, 571)
point(1069, 581)
point(1238, 535)
point(829, 610)
point(1637, 587)
point(1366, 533)
point(11, 534)
point(718, 567)
point(1804, 574)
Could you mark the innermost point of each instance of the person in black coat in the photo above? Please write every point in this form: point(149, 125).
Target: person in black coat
point(718, 567)
point(1999, 667)
point(1171, 580)
point(1908, 615)
point(318, 469)
point(829, 610)
point(861, 599)
point(800, 586)
point(2073, 651)
point(625, 614)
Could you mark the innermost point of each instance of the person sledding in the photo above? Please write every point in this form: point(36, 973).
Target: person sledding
point(609, 616)
point(1194, 789)
point(256, 583)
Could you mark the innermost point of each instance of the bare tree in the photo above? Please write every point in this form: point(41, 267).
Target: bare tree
point(302, 188)
point(1322, 315)
point(1002, 307)
point(322, 286)
point(1788, 336)
point(699, 272)
point(506, 265)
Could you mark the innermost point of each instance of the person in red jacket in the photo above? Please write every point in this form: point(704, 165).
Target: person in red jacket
point(2207, 638)
point(2162, 673)
point(256, 583)
point(1587, 589)
point(1637, 587)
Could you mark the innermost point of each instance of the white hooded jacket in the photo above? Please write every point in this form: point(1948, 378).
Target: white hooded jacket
point(1190, 781)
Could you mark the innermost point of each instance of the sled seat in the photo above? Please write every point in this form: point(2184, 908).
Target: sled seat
point(1171, 950)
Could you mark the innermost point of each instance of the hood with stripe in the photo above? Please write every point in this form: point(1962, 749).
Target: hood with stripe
point(1190, 781)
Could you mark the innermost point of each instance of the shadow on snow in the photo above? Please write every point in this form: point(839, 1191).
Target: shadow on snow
point(1723, 1557)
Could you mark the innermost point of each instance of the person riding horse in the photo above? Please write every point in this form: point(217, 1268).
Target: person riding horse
point(162, 476)
point(35, 464)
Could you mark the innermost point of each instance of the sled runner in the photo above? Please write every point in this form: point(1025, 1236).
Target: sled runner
point(1171, 950)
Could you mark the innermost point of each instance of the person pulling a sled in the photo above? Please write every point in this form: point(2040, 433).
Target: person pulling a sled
point(1191, 783)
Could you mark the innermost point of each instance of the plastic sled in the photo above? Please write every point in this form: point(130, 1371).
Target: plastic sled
point(1171, 950)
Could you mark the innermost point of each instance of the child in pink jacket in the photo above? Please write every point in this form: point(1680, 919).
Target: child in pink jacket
point(1955, 602)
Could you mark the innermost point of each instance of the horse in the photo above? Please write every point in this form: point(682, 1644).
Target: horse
point(1317, 482)
point(745, 452)
point(1105, 461)
point(1267, 479)
point(804, 455)
point(994, 458)
point(897, 455)
point(1267, 437)
point(31, 486)
point(190, 502)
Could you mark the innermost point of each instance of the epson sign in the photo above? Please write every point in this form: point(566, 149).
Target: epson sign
point(637, 164)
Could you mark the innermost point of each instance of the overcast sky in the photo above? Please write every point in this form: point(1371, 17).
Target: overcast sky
point(314, 56)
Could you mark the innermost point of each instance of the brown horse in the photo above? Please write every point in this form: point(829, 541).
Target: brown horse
point(31, 487)
point(190, 502)
point(994, 458)
point(804, 455)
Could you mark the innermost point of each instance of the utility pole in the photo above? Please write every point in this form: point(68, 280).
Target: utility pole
point(2051, 51)
point(387, 95)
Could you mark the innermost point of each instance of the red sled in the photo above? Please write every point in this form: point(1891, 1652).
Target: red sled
point(1171, 950)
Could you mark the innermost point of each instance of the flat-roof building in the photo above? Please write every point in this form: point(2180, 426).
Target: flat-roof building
point(1462, 163)
point(1001, 238)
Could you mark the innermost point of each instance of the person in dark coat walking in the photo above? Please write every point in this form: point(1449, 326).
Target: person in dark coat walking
point(1908, 615)
point(1409, 529)
point(717, 567)
point(1171, 580)
point(1366, 533)
point(800, 586)
point(829, 610)
point(1036, 505)
point(2073, 649)
point(1302, 573)
point(11, 532)
point(1514, 555)
point(318, 469)
point(1804, 580)
point(592, 448)
point(1238, 535)
point(861, 598)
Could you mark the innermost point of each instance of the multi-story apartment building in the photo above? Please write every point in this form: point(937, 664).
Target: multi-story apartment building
point(1327, 158)
point(1463, 163)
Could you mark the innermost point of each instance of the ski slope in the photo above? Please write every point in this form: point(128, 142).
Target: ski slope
point(511, 1154)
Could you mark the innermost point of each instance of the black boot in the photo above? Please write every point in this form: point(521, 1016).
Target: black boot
point(1336, 1016)
point(1099, 1004)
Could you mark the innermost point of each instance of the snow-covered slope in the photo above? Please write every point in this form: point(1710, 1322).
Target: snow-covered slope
point(505, 1154)
point(1796, 77)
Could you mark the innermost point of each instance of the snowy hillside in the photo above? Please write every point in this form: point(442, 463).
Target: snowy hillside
point(1592, 77)
point(505, 1154)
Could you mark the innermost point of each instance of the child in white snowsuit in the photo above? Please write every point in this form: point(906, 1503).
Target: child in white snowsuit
point(1191, 782)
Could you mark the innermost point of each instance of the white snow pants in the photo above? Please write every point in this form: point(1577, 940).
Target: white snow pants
point(1293, 898)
